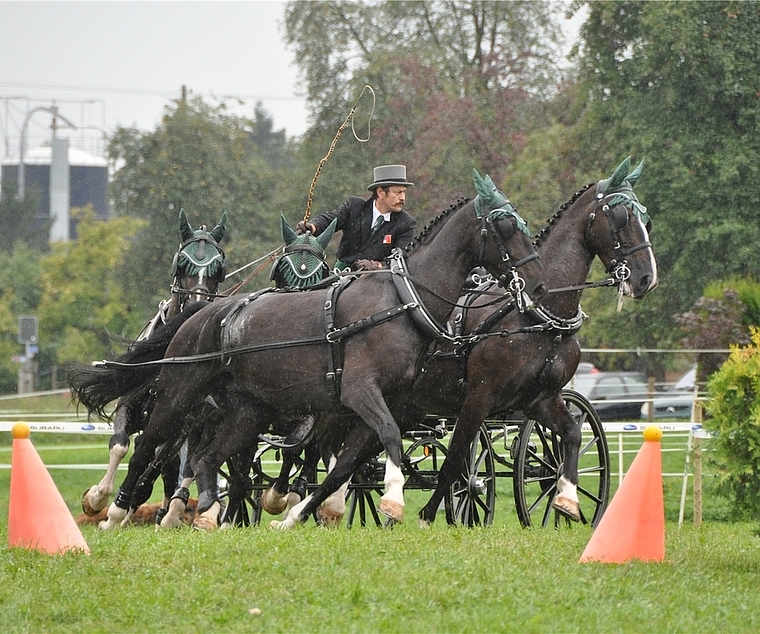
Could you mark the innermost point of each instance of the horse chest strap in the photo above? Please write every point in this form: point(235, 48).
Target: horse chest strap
point(550, 359)
point(335, 350)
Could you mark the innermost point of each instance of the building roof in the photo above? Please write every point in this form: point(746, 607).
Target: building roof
point(43, 156)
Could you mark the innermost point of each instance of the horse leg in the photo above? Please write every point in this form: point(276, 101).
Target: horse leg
point(368, 402)
point(178, 502)
point(176, 498)
point(280, 495)
point(332, 510)
point(165, 423)
point(237, 432)
point(275, 499)
point(474, 410)
point(170, 478)
point(361, 444)
point(553, 414)
point(95, 499)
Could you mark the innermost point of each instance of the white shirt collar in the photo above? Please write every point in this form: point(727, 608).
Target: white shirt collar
point(376, 213)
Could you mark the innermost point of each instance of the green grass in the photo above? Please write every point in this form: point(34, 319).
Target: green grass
point(500, 579)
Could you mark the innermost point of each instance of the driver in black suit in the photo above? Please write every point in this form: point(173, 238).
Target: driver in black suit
point(367, 242)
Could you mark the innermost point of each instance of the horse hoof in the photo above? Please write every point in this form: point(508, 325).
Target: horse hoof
point(392, 510)
point(329, 518)
point(173, 517)
point(567, 508)
point(205, 524)
point(292, 499)
point(273, 503)
point(423, 523)
point(89, 508)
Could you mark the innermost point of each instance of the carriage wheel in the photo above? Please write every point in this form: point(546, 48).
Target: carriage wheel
point(538, 462)
point(365, 487)
point(242, 495)
point(472, 498)
point(470, 501)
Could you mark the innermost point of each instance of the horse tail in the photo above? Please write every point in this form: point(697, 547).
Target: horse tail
point(95, 387)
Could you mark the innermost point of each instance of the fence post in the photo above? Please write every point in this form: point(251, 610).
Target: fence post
point(697, 465)
point(650, 400)
point(685, 483)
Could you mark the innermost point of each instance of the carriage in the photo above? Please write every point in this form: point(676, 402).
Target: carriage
point(510, 451)
point(497, 371)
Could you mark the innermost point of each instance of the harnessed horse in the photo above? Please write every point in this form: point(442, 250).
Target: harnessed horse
point(351, 346)
point(197, 269)
point(301, 265)
point(507, 360)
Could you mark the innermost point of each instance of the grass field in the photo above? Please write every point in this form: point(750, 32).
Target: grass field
point(499, 579)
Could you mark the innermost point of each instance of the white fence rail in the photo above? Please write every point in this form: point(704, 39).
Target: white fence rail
point(617, 433)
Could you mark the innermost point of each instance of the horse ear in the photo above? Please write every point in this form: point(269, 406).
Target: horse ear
point(185, 230)
point(323, 239)
point(288, 235)
point(633, 177)
point(621, 172)
point(481, 186)
point(217, 233)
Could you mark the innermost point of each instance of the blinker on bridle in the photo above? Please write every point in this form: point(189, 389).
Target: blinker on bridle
point(515, 285)
point(616, 211)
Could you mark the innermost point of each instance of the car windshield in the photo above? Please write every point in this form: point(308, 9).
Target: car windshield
point(584, 383)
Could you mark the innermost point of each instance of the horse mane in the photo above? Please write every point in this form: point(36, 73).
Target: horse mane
point(541, 235)
point(434, 226)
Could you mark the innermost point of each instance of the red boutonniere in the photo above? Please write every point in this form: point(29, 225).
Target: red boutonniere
point(387, 239)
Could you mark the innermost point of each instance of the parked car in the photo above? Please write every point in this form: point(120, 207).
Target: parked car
point(614, 395)
point(676, 402)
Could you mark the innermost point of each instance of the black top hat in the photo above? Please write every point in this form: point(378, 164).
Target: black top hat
point(390, 175)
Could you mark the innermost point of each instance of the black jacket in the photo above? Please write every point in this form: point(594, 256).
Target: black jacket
point(355, 221)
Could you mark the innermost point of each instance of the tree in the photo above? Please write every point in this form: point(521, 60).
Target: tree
point(202, 159)
point(676, 83)
point(20, 294)
point(458, 84)
point(734, 416)
point(23, 239)
point(17, 218)
point(84, 302)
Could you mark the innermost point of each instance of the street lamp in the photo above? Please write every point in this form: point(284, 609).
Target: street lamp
point(22, 146)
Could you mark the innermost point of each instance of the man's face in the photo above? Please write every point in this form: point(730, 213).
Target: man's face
point(390, 199)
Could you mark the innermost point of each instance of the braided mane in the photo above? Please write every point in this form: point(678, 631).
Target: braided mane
point(541, 235)
point(430, 229)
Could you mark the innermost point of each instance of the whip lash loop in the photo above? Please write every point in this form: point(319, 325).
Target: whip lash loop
point(350, 118)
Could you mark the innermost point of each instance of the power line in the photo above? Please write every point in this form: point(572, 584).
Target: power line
point(167, 94)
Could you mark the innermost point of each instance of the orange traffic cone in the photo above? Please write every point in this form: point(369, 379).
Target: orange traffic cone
point(38, 517)
point(633, 527)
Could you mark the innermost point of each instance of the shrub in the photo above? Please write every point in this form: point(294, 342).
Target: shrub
point(734, 413)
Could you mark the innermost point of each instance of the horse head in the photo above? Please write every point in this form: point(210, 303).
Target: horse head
point(499, 217)
point(303, 262)
point(198, 265)
point(618, 229)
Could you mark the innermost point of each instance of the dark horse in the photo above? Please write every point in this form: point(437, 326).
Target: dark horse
point(506, 360)
point(197, 269)
point(301, 265)
point(276, 355)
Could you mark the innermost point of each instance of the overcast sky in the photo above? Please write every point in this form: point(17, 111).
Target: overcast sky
point(119, 63)
point(106, 63)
